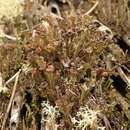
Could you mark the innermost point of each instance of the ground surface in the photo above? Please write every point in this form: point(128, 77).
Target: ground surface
point(62, 68)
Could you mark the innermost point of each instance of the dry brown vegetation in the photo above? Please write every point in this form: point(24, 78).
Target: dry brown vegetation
point(63, 69)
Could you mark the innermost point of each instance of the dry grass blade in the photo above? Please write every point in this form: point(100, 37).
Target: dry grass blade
point(123, 76)
point(8, 37)
point(11, 79)
point(92, 9)
point(11, 100)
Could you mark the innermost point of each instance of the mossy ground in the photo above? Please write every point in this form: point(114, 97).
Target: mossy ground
point(67, 75)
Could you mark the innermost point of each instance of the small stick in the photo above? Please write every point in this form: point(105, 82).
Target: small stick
point(8, 81)
point(126, 68)
point(9, 37)
point(123, 76)
point(92, 9)
point(11, 100)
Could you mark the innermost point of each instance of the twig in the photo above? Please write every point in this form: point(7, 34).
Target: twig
point(8, 81)
point(11, 99)
point(123, 76)
point(126, 68)
point(92, 9)
point(9, 37)
point(106, 121)
point(126, 39)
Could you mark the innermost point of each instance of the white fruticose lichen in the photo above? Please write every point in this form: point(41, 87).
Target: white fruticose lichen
point(85, 118)
point(49, 114)
point(10, 8)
